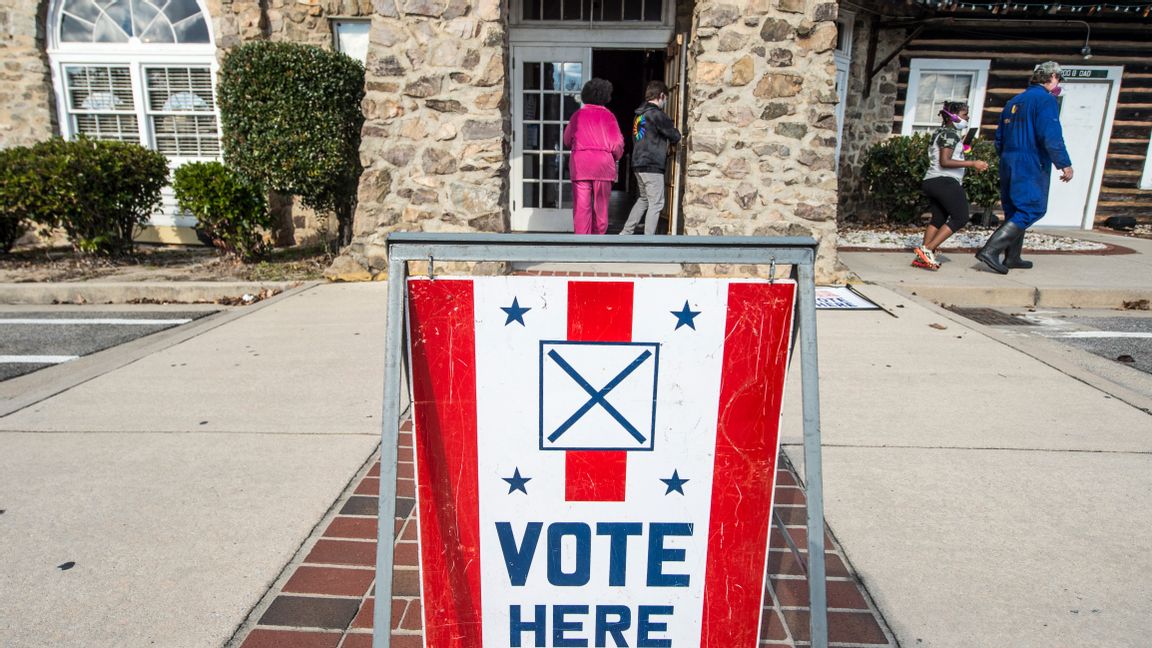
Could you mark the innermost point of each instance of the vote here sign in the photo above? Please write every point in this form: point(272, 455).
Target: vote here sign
point(595, 459)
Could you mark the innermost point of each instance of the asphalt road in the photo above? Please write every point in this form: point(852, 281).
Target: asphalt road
point(34, 339)
point(1124, 337)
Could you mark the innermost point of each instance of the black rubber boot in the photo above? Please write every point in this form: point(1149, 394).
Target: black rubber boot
point(1012, 254)
point(997, 244)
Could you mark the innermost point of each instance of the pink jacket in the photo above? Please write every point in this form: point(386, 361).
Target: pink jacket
point(594, 138)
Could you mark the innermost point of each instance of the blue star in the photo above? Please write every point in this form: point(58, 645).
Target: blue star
point(515, 312)
point(685, 316)
point(675, 483)
point(516, 483)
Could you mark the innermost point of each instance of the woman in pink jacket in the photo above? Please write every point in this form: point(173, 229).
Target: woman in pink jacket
point(593, 136)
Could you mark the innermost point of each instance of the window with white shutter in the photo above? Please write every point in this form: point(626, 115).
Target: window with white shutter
point(100, 102)
point(181, 111)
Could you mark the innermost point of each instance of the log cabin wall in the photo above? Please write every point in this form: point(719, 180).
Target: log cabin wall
point(1014, 48)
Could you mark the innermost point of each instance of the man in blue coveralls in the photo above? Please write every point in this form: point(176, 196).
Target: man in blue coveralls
point(1030, 142)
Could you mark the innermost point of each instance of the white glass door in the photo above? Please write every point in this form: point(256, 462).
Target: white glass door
point(546, 90)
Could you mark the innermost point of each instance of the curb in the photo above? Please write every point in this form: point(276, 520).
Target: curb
point(1025, 296)
point(171, 292)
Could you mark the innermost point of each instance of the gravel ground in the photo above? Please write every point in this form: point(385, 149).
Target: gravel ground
point(887, 239)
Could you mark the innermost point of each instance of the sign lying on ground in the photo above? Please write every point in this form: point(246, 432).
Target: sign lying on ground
point(596, 459)
point(842, 298)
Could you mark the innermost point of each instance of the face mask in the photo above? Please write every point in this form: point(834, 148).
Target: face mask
point(1056, 91)
point(960, 125)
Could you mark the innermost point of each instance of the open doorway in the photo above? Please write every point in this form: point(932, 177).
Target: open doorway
point(629, 70)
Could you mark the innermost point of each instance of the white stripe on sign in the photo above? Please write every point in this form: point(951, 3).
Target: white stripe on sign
point(36, 359)
point(116, 322)
point(1104, 334)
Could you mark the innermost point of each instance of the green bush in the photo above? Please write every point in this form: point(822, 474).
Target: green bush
point(983, 188)
point(99, 192)
point(14, 176)
point(291, 119)
point(231, 211)
point(894, 170)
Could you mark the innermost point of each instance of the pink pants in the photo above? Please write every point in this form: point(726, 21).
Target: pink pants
point(590, 206)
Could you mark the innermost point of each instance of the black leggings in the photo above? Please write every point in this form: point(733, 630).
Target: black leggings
point(947, 201)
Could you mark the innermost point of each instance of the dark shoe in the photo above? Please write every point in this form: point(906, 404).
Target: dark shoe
point(997, 244)
point(1012, 254)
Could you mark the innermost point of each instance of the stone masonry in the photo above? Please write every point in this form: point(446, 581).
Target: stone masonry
point(761, 122)
point(867, 120)
point(25, 84)
point(435, 140)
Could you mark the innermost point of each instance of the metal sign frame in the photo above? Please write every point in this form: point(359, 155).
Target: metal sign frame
point(797, 252)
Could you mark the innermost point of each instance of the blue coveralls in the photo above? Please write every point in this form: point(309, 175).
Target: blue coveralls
point(1029, 141)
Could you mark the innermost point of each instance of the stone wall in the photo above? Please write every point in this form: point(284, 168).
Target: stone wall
point(435, 140)
point(26, 97)
point(867, 120)
point(761, 122)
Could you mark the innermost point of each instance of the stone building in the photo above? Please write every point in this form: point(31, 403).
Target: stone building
point(466, 99)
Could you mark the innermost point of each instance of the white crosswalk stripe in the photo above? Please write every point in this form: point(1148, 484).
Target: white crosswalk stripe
point(36, 359)
point(105, 321)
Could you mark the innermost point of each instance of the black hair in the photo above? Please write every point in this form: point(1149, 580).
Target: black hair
point(597, 92)
point(953, 107)
point(654, 89)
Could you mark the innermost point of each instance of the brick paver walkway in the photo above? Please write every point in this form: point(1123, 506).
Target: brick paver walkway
point(324, 598)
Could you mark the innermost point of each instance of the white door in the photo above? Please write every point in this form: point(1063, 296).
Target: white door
point(1083, 113)
point(546, 84)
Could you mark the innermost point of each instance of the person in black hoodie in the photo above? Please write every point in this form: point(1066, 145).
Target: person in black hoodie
point(652, 132)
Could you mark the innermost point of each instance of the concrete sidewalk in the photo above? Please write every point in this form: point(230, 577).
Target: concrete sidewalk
point(985, 497)
point(181, 483)
point(1057, 280)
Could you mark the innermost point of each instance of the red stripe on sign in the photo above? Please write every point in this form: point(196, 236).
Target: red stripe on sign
point(757, 335)
point(444, 391)
point(598, 311)
point(595, 475)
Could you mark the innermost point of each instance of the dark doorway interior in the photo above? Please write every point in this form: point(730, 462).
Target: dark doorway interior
point(629, 71)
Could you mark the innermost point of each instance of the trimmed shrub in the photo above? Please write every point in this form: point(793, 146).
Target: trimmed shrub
point(894, 170)
point(99, 192)
point(291, 119)
point(14, 191)
point(983, 188)
point(231, 211)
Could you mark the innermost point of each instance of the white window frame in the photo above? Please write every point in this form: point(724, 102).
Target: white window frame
point(136, 56)
point(1146, 179)
point(918, 66)
point(846, 23)
point(516, 9)
point(335, 22)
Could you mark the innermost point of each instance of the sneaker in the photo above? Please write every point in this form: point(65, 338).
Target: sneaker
point(927, 256)
point(920, 263)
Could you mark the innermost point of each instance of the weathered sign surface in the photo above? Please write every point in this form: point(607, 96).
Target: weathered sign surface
point(596, 458)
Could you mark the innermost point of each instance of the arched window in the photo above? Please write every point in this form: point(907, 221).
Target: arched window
point(137, 71)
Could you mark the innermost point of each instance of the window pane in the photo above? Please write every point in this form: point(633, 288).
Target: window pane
point(552, 107)
point(531, 106)
point(114, 21)
point(551, 167)
point(570, 106)
point(551, 198)
point(633, 9)
point(531, 10)
point(531, 76)
point(553, 76)
point(564, 166)
point(566, 196)
point(99, 88)
point(551, 137)
point(107, 31)
point(551, 10)
point(175, 90)
point(531, 194)
point(572, 9)
point(531, 166)
point(653, 10)
point(573, 77)
point(531, 137)
point(613, 10)
point(352, 38)
point(122, 128)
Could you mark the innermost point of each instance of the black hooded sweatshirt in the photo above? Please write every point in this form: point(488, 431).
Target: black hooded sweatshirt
point(652, 132)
